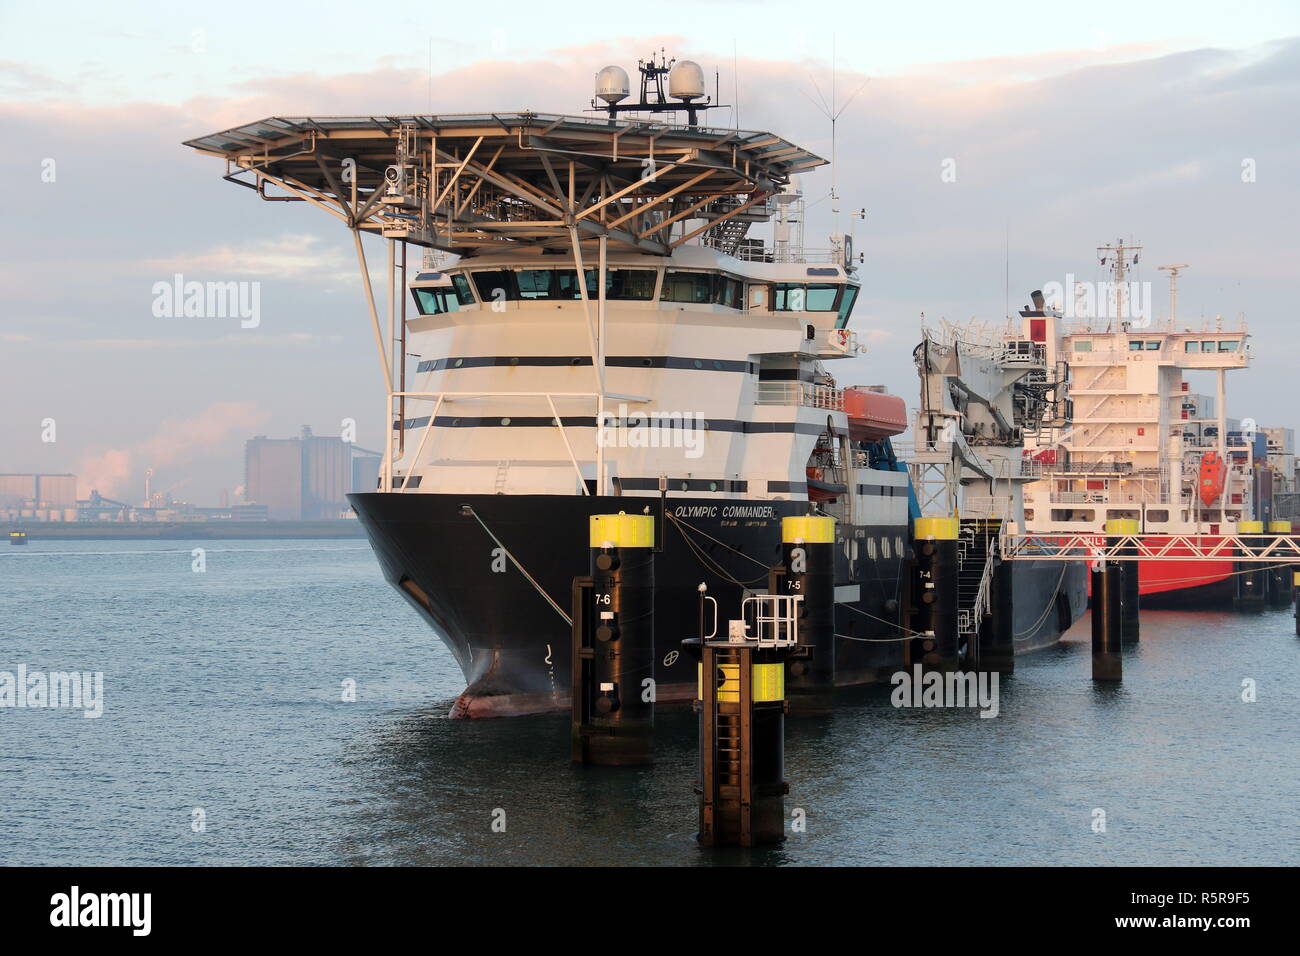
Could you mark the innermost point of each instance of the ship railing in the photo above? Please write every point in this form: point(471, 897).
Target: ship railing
point(756, 251)
point(806, 394)
point(772, 619)
point(1031, 468)
point(1102, 497)
point(968, 621)
point(1022, 352)
point(1099, 468)
point(439, 398)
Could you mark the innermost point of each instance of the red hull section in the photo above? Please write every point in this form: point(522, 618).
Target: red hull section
point(1168, 577)
point(1160, 577)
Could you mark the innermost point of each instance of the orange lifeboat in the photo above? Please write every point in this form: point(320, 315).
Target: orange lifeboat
point(1212, 477)
point(874, 415)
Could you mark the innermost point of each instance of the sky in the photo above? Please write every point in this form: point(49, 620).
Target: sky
point(1066, 127)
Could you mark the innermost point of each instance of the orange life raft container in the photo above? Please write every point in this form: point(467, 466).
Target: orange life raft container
point(1213, 474)
point(874, 415)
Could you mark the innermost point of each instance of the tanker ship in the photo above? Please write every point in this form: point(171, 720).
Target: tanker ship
point(1136, 442)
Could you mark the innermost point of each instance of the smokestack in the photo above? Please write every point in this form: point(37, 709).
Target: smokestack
point(1037, 296)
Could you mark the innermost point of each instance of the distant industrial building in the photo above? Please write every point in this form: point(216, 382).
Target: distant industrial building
point(365, 470)
point(38, 497)
point(306, 478)
point(273, 476)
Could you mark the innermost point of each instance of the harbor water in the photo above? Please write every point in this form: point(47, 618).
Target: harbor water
point(226, 738)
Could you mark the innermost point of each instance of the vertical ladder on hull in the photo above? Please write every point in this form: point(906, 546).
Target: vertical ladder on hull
point(502, 468)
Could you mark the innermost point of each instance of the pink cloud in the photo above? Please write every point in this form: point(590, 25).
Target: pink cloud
point(176, 444)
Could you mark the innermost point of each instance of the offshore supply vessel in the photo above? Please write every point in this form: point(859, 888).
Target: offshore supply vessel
point(1136, 442)
point(594, 330)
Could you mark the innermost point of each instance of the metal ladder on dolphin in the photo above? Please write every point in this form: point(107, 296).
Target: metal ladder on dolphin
point(977, 555)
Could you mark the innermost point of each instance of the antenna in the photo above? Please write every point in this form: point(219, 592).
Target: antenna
point(1006, 279)
point(833, 114)
point(1173, 290)
point(735, 81)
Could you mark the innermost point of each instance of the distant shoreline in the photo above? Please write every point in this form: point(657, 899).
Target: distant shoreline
point(188, 530)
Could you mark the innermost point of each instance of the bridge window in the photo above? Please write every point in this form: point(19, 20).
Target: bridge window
point(495, 286)
point(730, 292)
point(435, 301)
point(1083, 345)
point(798, 297)
point(1191, 346)
point(461, 284)
point(846, 305)
point(560, 284)
point(537, 284)
point(636, 284)
point(687, 287)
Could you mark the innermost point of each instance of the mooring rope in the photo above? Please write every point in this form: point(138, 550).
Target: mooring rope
point(522, 570)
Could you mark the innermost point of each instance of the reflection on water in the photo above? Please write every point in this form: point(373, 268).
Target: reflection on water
point(223, 691)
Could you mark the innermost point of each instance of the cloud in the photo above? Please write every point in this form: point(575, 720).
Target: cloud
point(292, 257)
point(176, 444)
point(1055, 154)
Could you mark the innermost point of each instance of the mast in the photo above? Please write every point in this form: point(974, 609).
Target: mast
point(1118, 266)
point(1173, 291)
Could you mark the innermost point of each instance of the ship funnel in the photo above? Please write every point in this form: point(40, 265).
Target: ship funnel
point(612, 84)
point(1037, 296)
point(686, 81)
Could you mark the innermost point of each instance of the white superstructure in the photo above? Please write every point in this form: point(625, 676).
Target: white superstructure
point(1137, 434)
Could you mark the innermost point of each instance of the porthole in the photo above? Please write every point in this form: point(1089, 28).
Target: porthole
point(505, 421)
point(459, 362)
point(884, 548)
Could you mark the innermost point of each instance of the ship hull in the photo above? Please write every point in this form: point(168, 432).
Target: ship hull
point(1194, 584)
point(1049, 596)
point(513, 646)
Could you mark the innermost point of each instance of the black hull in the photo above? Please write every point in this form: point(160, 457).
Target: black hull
point(514, 648)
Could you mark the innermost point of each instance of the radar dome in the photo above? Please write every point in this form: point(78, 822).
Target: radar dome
point(611, 84)
point(686, 81)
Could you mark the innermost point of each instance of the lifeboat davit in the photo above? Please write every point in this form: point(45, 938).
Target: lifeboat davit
point(874, 415)
point(1213, 474)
